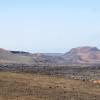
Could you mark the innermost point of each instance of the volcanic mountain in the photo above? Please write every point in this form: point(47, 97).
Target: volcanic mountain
point(14, 57)
point(90, 55)
point(80, 55)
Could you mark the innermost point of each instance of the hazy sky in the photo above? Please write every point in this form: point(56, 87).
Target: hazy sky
point(49, 25)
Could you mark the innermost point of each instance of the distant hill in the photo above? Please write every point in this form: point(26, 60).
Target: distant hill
point(80, 55)
point(83, 55)
point(53, 54)
point(13, 57)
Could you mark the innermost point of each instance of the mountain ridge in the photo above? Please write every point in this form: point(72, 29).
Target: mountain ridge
point(79, 55)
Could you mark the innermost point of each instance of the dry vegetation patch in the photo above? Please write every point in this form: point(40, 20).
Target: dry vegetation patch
point(15, 86)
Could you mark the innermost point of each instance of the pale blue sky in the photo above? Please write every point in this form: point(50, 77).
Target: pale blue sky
point(49, 25)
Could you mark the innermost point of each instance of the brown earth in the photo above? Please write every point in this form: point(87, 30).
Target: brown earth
point(16, 86)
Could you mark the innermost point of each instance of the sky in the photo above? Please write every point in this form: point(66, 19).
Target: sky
point(49, 25)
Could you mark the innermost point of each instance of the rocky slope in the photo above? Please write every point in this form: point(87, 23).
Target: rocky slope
point(90, 55)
